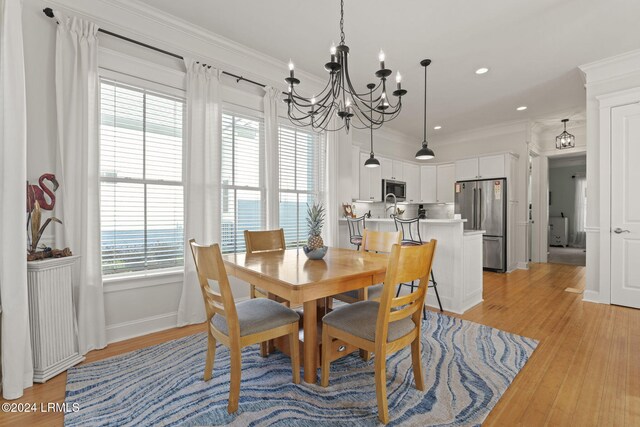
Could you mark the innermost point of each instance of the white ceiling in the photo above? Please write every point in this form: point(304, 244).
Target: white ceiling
point(533, 48)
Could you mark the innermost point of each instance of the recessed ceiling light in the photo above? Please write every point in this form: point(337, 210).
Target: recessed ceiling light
point(437, 127)
point(522, 108)
point(482, 70)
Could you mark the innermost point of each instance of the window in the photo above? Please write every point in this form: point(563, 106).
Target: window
point(141, 199)
point(243, 192)
point(301, 155)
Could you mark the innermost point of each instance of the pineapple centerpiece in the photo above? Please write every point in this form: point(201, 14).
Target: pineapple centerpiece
point(315, 248)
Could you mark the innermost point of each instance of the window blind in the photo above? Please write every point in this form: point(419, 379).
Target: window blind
point(141, 191)
point(243, 191)
point(301, 165)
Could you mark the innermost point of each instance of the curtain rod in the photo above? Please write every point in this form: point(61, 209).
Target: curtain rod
point(49, 12)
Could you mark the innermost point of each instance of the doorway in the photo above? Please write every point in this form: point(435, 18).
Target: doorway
point(567, 209)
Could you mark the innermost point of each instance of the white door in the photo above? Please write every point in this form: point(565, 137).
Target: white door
point(625, 205)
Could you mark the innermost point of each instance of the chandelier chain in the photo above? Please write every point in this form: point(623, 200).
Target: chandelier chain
point(342, 22)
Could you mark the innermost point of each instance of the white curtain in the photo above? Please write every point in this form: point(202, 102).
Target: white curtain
point(271, 99)
point(77, 170)
point(17, 370)
point(202, 182)
point(330, 192)
point(578, 235)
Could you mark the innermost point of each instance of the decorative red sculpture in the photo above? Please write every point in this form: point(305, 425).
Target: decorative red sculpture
point(37, 192)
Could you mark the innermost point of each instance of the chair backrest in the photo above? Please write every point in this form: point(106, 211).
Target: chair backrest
point(356, 226)
point(410, 229)
point(264, 241)
point(209, 266)
point(406, 264)
point(379, 241)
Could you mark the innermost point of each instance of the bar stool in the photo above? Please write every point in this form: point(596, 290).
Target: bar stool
point(356, 225)
point(410, 229)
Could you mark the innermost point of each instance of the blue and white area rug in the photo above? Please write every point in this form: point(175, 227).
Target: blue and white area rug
point(467, 368)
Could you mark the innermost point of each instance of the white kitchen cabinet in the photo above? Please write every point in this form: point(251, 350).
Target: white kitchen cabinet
point(428, 184)
point(398, 170)
point(386, 168)
point(370, 181)
point(392, 169)
point(466, 169)
point(485, 167)
point(445, 182)
point(355, 172)
point(411, 175)
point(491, 167)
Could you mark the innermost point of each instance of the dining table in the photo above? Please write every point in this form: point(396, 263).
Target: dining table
point(290, 275)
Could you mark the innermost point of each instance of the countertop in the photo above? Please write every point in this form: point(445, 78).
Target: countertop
point(428, 220)
point(473, 232)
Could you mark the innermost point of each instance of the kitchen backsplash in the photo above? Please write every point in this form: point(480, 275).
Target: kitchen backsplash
point(434, 211)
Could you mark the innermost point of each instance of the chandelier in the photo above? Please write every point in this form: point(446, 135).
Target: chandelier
point(565, 139)
point(339, 97)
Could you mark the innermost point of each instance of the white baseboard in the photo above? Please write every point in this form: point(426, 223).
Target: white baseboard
point(592, 296)
point(135, 328)
point(523, 265)
point(432, 301)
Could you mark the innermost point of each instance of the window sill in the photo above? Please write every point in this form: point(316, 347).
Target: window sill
point(126, 281)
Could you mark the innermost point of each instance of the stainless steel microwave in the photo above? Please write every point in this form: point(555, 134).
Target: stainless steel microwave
point(397, 188)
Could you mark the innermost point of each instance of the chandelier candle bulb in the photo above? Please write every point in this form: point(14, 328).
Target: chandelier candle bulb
point(381, 59)
point(398, 80)
point(332, 50)
point(290, 69)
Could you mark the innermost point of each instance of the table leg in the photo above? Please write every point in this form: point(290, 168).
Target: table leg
point(271, 345)
point(310, 345)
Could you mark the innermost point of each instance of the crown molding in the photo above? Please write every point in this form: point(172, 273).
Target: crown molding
point(614, 67)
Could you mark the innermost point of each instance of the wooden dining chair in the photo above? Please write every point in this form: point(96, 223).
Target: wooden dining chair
point(372, 241)
point(386, 326)
point(263, 241)
point(239, 325)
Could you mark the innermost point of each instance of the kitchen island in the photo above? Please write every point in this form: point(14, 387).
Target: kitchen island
point(457, 264)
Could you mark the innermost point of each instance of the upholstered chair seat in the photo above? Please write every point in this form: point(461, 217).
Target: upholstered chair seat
point(359, 319)
point(257, 315)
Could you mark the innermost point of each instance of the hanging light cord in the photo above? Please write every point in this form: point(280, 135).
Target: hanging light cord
point(371, 125)
point(425, 105)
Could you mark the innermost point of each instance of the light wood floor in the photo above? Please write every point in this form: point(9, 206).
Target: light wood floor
point(585, 371)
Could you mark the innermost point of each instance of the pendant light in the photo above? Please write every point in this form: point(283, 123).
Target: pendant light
point(371, 162)
point(565, 139)
point(425, 153)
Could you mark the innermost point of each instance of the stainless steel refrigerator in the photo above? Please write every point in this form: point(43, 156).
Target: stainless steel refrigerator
point(483, 204)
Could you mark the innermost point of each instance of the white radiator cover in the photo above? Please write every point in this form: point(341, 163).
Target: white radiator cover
point(54, 339)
